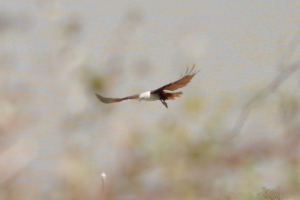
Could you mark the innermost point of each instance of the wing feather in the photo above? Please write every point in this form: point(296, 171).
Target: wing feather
point(114, 100)
point(180, 83)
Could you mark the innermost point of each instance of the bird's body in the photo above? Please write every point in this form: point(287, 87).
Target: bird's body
point(163, 93)
point(147, 96)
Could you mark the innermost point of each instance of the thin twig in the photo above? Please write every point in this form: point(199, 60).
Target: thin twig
point(102, 195)
point(272, 87)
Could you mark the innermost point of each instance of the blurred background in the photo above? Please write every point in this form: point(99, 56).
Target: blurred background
point(234, 134)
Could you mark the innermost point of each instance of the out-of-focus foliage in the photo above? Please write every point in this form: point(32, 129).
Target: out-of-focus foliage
point(268, 194)
point(56, 138)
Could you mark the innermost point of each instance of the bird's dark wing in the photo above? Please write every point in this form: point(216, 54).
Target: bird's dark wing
point(182, 82)
point(113, 100)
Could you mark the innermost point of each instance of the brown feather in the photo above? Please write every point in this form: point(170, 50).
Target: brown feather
point(172, 96)
point(113, 100)
point(182, 82)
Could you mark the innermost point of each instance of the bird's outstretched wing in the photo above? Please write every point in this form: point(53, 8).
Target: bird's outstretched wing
point(113, 100)
point(182, 82)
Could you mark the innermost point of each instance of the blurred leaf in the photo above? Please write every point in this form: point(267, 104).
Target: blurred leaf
point(268, 194)
point(94, 80)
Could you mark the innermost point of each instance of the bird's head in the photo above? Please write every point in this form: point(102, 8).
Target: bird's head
point(144, 95)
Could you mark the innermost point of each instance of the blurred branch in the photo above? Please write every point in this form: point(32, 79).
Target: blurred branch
point(286, 70)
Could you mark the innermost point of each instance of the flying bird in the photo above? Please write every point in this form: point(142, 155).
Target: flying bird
point(163, 93)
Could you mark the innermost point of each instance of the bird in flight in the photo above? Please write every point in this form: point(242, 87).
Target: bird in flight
point(163, 93)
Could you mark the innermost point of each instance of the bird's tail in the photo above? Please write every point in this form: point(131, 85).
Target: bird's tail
point(172, 95)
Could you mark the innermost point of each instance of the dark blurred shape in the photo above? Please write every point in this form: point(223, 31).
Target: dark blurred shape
point(72, 26)
point(134, 16)
point(94, 80)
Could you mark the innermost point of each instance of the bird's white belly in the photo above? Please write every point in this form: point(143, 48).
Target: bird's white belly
point(147, 96)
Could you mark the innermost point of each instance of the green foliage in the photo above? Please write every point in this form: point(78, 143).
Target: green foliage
point(268, 194)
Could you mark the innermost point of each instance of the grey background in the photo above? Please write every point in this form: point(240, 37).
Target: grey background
point(56, 138)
